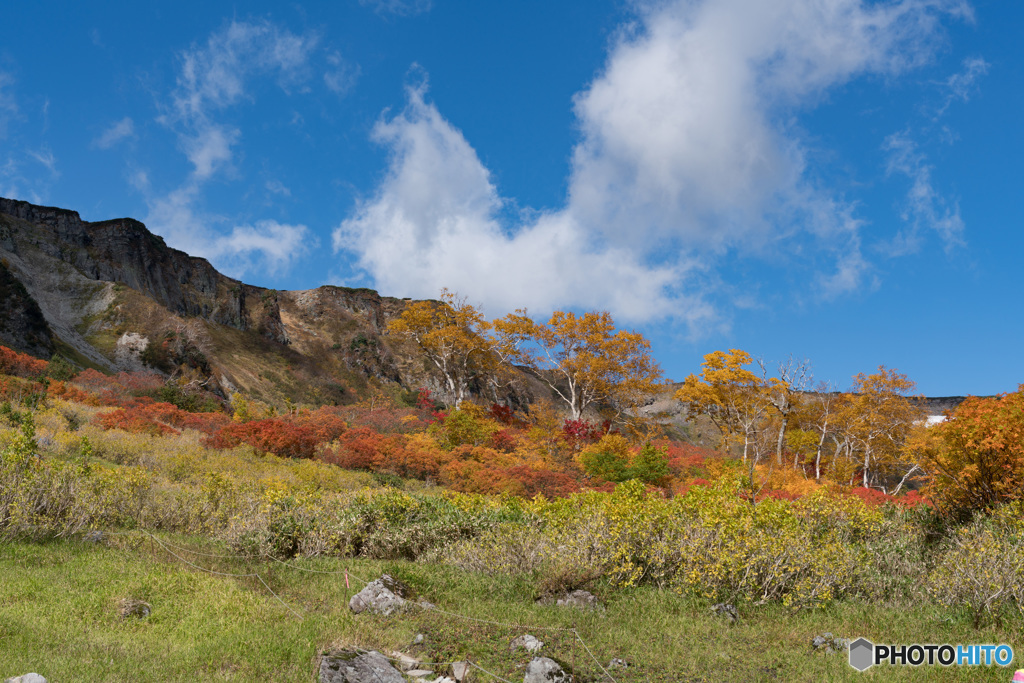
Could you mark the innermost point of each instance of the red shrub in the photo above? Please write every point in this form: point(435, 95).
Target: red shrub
point(502, 440)
point(541, 480)
point(20, 364)
point(578, 433)
point(135, 419)
point(296, 436)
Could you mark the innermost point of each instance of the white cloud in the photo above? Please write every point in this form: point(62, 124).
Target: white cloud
point(687, 154)
point(683, 133)
point(402, 8)
point(46, 158)
point(341, 77)
point(214, 76)
point(209, 149)
point(277, 187)
point(923, 208)
point(122, 130)
point(961, 85)
point(266, 247)
point(433, 223)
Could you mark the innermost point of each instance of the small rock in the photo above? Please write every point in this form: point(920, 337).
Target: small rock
point(460, 670)
point(419, 673)
point(580, 600)
point(130, 607)
point(382, 596)
point(95, 536)
point(444, 679)
point(26, 678)
point(527, 642)
point(617, 663)
point(544, 670)
point(830, 643)
point(349, 666)
point(418, 640)
point(728, 611)
point(405, 662)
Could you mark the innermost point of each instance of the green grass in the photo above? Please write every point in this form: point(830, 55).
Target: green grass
point(59, 617)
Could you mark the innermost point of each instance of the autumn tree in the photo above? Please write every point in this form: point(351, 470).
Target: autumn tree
point(783, 395)
point(975, 460)
point(584, 359)
point(452, 334)
point(731, 395)
point(879, 418)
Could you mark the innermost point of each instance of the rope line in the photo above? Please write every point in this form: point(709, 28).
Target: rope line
point(166, 545)
point(596, 661)
point(492, 675)
point(229, 574)
point(499, 623)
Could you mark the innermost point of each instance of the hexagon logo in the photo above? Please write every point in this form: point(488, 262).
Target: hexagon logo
point(862, 654)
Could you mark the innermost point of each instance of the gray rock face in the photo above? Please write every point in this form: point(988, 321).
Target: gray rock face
point(380, 597)
point(544, 670)
point(829, 643)
point(125, 251)
point(27, 678)
point(727, 611)
point(527, 642)
point(460, 670)
point(579, 600)
point(352, 667)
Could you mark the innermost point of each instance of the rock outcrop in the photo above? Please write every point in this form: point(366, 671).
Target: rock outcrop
point(350, 666)
point(125, 251)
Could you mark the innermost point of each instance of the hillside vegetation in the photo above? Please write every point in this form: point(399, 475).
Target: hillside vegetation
point(487, 512)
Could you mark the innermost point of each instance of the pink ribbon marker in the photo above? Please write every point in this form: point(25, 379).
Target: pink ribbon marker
point(346, 586)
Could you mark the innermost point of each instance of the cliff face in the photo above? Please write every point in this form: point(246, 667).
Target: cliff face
point(124, 251)
point(78, 287)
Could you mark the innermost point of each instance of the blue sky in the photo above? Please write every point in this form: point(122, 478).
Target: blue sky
point(834, 180)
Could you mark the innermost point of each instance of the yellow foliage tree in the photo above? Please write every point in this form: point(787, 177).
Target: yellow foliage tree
point(733, 397)
point(453, 335)
point(584, 359)
point(880, 417)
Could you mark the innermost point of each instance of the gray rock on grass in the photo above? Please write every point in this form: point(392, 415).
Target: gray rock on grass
point(829, 643)
point(580, 600)
point(348, 666)
point(544, 670)
point(728, 611)
point(460, 670)
point(527, 642)
point(26, 678)
point(382, 596)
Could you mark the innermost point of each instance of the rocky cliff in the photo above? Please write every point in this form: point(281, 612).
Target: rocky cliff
point(77, 288)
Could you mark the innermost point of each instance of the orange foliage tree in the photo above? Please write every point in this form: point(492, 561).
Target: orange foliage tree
point(975, 460)
point(453, 335)
point(732, 396)
point(584, 359)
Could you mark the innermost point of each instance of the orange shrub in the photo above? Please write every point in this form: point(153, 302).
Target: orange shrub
point(20, 364)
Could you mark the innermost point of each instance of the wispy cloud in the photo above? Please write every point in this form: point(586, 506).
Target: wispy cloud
point(213, 76)
point(686, 156)
point(923, 209)
point(402, 8)
point(961, 85)
point(122, 130)
point(47, 159)
point(278, 188)
point(341, 76)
